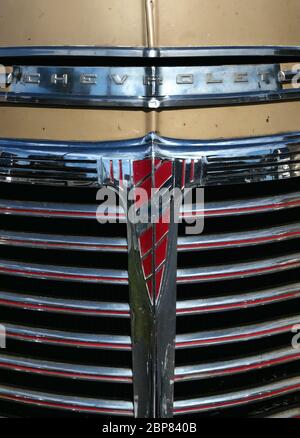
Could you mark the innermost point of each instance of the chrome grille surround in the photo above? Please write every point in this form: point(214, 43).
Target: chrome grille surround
point(34, 154)
point(194, 164)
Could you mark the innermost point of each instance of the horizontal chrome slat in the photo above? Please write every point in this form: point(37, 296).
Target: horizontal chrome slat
point(63, 273)
point(237, 334)
point(236, 366)
point(74, 243)
point(140, 52)
point(292, 413)
point(185, 244)
point(219, 209)
point(65, 370)
point(196, 162)
point(54, 210)
point(238, 270)
point(67, 403)
point(238, 398)
point(238, 301)
point(243, 206)
point(66, 306)
point(237, 240)
point(67, 339)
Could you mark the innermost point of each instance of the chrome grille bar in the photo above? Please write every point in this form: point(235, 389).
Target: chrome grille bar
point(59, 305)
point(235, 271)
point(237, 334)
point(74, 243)
point(239, 239)
point(236, 366)
point(64, 370)
point(240, 398)
point(63, 273)
point(67, 339)
point(238, 301)
point(293, 413)
point(53, 210)
point(67, 403)
point(244, 206)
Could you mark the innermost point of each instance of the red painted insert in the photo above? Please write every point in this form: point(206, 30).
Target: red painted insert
point(153, 241)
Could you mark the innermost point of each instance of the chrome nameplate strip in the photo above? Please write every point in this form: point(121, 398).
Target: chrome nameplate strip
point(154, 88)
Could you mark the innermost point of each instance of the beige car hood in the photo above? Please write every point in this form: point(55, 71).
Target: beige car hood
point(124, 22)
point(164, 23)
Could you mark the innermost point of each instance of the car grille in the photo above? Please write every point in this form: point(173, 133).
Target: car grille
point(64, 302)
point(238, 301)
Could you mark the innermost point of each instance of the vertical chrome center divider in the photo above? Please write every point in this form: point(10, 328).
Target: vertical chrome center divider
point(152, 280)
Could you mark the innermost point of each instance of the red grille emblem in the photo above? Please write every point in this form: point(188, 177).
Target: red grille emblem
point(154, 238)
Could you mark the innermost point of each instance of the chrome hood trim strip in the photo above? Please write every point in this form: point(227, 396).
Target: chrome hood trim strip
point(139, 52)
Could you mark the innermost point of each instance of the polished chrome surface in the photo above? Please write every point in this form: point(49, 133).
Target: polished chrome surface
point(292, 413)
point(133, 86)
point(240, 398)
point(162, 52)
point(195, 163)
point(68, 403)
point(244, 206)
point(50, 210)
point(60, 305)
point(65, 370)
point(236, 366)
point(238, 301)
point(235, 271)
point(239, 239)
point(67, 339)
point(152, 297)
point(230, 51)
point(64, 273)
point(237, 334)
point(60, 242)
point(89, 164)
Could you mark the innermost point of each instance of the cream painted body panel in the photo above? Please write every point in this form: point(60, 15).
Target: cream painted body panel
point(234, 122)
point(227, 22)
point(72, 124)
point(72, 22)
